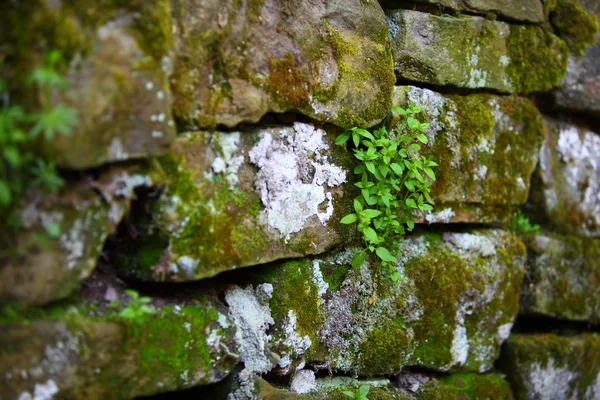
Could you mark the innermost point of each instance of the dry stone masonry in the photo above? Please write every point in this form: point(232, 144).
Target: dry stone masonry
point(196, 249)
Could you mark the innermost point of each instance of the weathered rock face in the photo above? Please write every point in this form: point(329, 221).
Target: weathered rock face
point(84, 218)
point(486, 147)
point(549, 366)
point(79, 354)
point(454, 305)
point(239, 199)
point(562, 278)
point(475, 53)
point(117, 77)
point(580, 90)
point(518, 10)
point(568, 183)
point(238, 60)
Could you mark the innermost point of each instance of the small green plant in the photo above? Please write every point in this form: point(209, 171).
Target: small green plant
point(137, 308)
point(395, 182)
point(22, 167)
point(521, 224)
point(360, 394)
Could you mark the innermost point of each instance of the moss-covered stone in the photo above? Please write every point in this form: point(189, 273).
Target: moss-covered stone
point(82, 352)
point(550, 366)
point(47, 268)
point(562, 278)
point(475, 53)
point(580, 90)
point(453, 306)
point(573, 24)
point(567, 181)
point(518, 10)
point(239, 199)
point(117, 76)
point(238, 60)
point(466, 386)
point(486, 147)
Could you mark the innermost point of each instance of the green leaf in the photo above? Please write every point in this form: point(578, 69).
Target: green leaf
point(411, 203)
point(372, 213)
point(5, 194)
point(422, 138)
point(342, 138)
point(349, 219)
point(410, 225)
point(425, 207)
point(127, 313)
point(364, 133)
point(430, 173)
point(357, 206)
point(132, 293)
point(385, 255)
point(371, 167)
point(370, 235)
point(414, 147)
point(349, 394)
point(52, 229)
point(12, 155)
point(356, 139)
point(359, 169)
point(397, 168)
point(399, 110)
point(410, 185)
point(358, 260)
point(363, 391)
point(413, 124)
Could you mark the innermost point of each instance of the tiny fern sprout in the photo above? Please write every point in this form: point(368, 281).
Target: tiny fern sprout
point(394, 183)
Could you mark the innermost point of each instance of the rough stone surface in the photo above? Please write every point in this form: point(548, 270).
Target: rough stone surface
point(452, 308)
point(239, 199)
point(81, 354)
point(38, 275)
point(567, 184)
point(116, 78)
point(580, 90)
point(475, 53)
point(553, 367)
point(562, 277)
point(486, 147)
point(518, 10)
point(238, 60)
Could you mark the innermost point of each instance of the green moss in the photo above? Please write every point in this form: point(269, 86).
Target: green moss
point(466, 386)
point(574, 25)
point(289, 84)
point(384, 349)
point(538, 60)
point(295, 290)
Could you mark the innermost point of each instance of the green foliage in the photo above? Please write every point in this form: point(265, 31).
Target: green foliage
point(395, 182)
point(521, 224)
point(137, 309)
point(360, 394)
point(22, 167)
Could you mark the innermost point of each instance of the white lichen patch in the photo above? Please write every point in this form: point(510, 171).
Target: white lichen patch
point(116, 151)
point(303, 382)
point(293, 344)
point(578, 176)
point(443, 216)
point(317, 278)
point(545, 379)
point(294, 172)
point(251, 315)
point(41, 391)
point(460, 342)
point(228, 161)
point(440, 111)
point(471, 243)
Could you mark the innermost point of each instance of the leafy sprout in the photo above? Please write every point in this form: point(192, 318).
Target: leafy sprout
point(360, 394)
point(137, 308)
point(394, 183)
point(521, 224)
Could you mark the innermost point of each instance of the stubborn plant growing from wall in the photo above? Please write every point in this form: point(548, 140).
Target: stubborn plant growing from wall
point(395, 181)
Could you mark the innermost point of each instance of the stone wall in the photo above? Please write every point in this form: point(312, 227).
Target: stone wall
point(204, 175)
